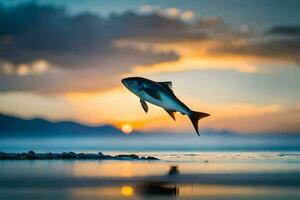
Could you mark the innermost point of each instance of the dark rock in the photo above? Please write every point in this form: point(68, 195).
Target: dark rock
point(49, 155)
point(88, 156)
point(107, 157)
point(152, 158)
point(31, 152)
point(22, 155)
point(3, 155)
point(100, 154)
point(130, 156)
point(40, 156)
point(31, 156)
point(13, 156)
point(68, 155)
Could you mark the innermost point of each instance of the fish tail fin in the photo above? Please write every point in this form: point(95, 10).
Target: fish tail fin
point(195, 117)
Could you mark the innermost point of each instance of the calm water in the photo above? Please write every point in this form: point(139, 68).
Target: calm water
point(178, 175)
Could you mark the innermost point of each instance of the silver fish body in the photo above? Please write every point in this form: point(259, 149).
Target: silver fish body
point(161, 94)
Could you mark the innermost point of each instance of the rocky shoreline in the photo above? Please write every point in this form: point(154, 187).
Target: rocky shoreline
point(31, 155)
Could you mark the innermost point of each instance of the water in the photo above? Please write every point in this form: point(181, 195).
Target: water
point(162, 143)
point(178, 175)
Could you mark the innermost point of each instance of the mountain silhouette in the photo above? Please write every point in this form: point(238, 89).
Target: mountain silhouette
point(14, 126)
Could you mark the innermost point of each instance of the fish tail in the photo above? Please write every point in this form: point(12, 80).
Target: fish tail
point(195, 117)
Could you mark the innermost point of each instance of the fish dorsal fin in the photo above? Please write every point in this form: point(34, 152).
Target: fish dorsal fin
point(144, 105)
point(167, 84)
point(171, 113)
point(153, 93)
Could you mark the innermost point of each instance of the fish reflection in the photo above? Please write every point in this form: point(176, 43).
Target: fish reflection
point(173, 171)
point(157, 188)
point(160, 188)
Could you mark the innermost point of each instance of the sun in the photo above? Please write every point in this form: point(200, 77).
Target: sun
point(127, 128)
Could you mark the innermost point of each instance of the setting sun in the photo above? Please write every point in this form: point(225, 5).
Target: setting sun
point(127, 128)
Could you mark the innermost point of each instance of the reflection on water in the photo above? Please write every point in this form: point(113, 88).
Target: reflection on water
point(188, 191)
point(127, 190)
point(173, 170)
point(157, 189)
point(191, 176)
point(181, 191)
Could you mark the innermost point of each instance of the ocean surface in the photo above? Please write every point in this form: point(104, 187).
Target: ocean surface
point(177, 175)
point(190, 167)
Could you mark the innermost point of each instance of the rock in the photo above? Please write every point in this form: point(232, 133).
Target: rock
point(31, 152)
point(13, 156)
point(68, 155)
point(152, 158)
point(107, 157)
point(31, 155)
point(88, 156)
point(100, 154)
point(49, 155)
point(3, 155)
point(124, 156)
point(22, 155)
point(41, 156)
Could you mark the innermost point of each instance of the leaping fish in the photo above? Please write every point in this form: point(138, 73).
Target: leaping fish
point(162, 95)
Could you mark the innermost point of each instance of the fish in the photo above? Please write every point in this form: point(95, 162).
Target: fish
point(161, 94)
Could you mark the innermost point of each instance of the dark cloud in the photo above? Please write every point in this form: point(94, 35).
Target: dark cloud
point(278, 43)
point(282, 49)
point(30, 32)
point(76, 44)
point(82, 54)
point(284, 31)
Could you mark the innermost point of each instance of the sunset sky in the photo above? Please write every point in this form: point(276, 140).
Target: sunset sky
point(237, 60)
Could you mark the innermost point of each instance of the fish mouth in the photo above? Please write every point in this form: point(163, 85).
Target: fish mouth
point(124, 82)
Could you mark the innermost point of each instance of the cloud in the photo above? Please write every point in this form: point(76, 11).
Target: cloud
point(280, 120)
point(209, 22)
point(237, 117)
point(275, 49)
point(37, 67)
point(55, 52)
point(51, 34)
point(282, 48)
point(172, 12)
point(147, 9)
point(210, 44)
point(187, 15)
point(284, 30)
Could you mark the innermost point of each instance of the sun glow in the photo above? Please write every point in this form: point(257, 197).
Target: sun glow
point(127, 191)
point(127, 128)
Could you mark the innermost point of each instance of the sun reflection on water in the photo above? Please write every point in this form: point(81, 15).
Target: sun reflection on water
point(127, 190)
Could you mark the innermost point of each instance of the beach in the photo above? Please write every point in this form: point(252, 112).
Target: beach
point(180, 175)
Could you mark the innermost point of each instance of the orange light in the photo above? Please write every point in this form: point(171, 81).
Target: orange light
point(127, 128)
point(127, 191)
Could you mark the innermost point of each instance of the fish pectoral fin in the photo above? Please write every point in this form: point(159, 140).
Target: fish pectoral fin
point(153, 93)
point(144, 105)
point(171, 113)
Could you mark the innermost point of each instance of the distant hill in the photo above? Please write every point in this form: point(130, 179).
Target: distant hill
point(11, 126)
point(14, 126)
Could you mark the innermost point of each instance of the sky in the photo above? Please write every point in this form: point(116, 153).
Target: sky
point(237, 60)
